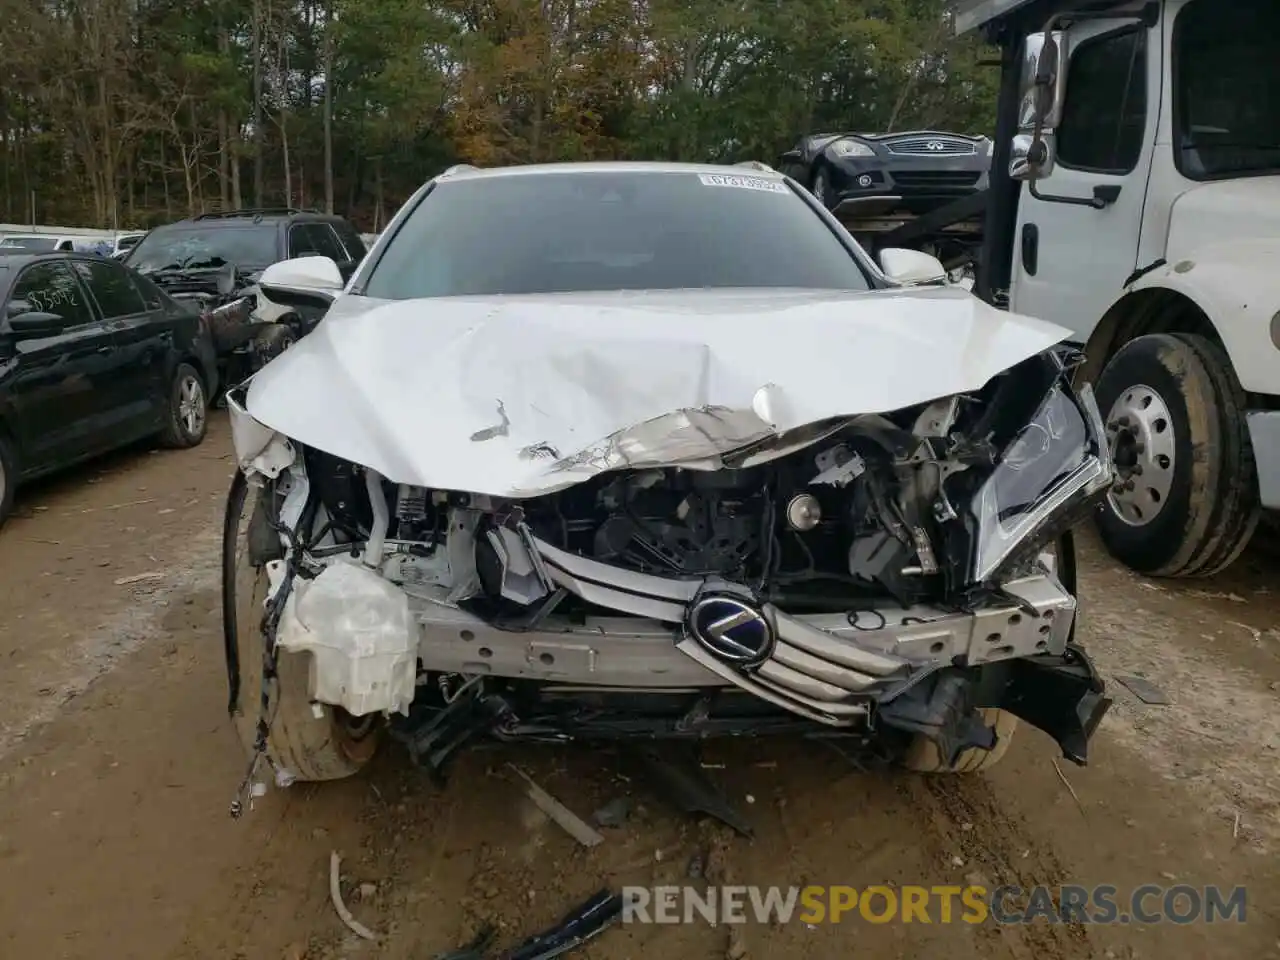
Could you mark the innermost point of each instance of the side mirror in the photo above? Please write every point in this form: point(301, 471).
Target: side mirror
point(1044, 81)
point(911, 267)
point(35, 323)
point(313, 282)
point(1029, 158)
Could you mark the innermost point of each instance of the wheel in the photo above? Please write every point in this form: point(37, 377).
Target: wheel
point(822, 188)
point(186, 418)
point(922, 754)
point(270, 342)
point(313, 743)
point(1185, 502)
point(8, 478)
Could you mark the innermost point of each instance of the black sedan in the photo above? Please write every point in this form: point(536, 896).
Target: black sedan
point(925, 169)
point(93, 357)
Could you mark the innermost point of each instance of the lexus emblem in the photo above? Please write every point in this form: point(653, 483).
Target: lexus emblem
point(936, 146)
point(731, 630)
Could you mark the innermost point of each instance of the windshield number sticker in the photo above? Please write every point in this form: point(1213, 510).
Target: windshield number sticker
point(742, 183)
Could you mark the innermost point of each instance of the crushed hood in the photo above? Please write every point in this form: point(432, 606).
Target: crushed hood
point(521, 396)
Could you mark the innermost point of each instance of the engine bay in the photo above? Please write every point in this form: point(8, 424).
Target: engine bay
point(868, 507)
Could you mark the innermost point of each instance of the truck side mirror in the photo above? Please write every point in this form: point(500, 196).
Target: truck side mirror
point(1044, 89)
point(1030, 159)
point(1044, 81)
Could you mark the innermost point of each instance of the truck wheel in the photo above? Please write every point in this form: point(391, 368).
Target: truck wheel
point(312, 743)
point(1185, 502)
point(922, 754)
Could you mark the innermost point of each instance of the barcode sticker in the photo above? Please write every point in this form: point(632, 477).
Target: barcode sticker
point(742, 183)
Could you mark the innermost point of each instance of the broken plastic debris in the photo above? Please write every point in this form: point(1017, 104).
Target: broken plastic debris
point(285, 778)
point(569, 821)
point(335, 895)
point(685, 785)
point(585, 923)
point(1144, 690)
point(139, 578)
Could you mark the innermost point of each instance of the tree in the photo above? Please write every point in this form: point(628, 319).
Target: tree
point(126, 112)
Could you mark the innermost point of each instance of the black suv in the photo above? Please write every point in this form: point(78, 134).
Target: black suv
point(213, 263)
point(252, 240)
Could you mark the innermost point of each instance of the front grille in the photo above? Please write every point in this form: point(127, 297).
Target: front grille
point(932, 147)
point(936, 179)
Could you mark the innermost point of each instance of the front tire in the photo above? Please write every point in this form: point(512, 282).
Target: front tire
point(1185, 503)
point(187, 411)
point(821, 188)
point(313, 742)
point(923, 756)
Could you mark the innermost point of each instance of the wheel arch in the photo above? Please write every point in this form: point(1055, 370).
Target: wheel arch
point(1153, 309)
point(818, 165)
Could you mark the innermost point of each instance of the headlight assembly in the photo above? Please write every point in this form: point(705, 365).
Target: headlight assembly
point(1056, 463)
point(851, 148)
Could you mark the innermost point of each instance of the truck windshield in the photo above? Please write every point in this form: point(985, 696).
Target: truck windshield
point(556, 232)
point(1228, 89)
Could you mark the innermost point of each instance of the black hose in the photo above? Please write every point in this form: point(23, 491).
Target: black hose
point(230, 536)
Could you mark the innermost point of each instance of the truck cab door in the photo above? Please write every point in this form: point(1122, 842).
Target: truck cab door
point(1071, 260)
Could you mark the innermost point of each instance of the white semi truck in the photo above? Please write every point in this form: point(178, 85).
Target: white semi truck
point(1135, 200)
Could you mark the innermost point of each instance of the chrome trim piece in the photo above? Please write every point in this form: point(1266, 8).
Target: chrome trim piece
point(931, 146)
point(830, 668)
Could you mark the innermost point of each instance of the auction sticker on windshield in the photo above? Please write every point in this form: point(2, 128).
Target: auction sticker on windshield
point(744, 183)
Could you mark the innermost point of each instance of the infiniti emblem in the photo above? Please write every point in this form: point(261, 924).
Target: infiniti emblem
point(734, 631)
point(936, 145)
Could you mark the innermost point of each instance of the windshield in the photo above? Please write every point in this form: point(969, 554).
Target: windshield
point(28, 243)
point(188, 247)
point(1228, 89)
point(610, 230)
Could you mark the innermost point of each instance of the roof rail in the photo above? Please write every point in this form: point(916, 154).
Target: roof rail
point(755, 165)
point(250, 212)
point(459, 168)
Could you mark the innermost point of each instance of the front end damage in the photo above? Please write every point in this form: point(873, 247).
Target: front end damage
point(884, 577)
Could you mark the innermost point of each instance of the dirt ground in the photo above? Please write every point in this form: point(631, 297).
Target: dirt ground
point(118, 762)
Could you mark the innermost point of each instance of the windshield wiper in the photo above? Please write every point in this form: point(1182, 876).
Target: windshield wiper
point(193, 264)
point(167, 267)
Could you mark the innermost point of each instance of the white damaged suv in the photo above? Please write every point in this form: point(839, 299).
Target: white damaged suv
point(601, 451)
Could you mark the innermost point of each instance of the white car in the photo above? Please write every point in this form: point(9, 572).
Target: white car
point(38, 243)
point(642, 450)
